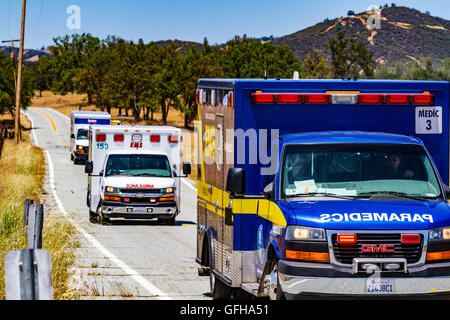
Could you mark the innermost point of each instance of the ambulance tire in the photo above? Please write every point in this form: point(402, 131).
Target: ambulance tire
point(279, 295)
point(71, 157)
point(103, 220)
point(219, 290)
point(93, 217)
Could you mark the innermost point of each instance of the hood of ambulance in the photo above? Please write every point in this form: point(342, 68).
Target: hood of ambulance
point(82, 142)
point(368, 214)
point(138, 182)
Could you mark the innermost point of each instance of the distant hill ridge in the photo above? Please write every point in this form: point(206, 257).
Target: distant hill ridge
point(404, 35)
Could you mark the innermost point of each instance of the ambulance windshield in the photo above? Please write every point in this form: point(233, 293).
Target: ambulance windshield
point(138, 165)
point(82, 134)
point(359, 171)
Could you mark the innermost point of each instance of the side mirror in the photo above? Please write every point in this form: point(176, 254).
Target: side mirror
point(101, 173)
point(72, 136)
point(236, 181)
point(187, 168)
point(88, 167)
point(447, 191)
point(269, 191)
point(174, 174)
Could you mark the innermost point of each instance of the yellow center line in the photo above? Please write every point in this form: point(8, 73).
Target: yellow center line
point(54, 127)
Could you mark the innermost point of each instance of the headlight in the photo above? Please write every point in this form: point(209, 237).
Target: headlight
point(112, 190)
point(80, 148)
point(168, 190)
point(305, 233)
point(439, 234)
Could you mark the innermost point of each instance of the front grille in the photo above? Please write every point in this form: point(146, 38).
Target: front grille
point(346, 253)
point(130, 190)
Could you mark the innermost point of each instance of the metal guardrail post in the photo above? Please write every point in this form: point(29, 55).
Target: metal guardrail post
point(33, 220)
point(28, 275)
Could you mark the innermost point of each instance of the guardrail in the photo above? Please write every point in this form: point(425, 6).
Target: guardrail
point(28, 272)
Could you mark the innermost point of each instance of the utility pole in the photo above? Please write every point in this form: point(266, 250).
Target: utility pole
point(19, 76)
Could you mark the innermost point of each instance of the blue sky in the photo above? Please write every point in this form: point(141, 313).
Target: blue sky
point(191, 20)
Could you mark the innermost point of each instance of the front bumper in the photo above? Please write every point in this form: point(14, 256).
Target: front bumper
point(81, 155)
point(139, 212)
point(313, 279)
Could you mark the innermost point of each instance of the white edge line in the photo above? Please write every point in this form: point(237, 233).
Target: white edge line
point(189, 185)
point(154, 291)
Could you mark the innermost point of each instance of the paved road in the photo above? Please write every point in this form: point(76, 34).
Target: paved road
point(128, 259)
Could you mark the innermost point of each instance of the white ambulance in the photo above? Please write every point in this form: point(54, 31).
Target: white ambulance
point(79, 129)
point(134, 172)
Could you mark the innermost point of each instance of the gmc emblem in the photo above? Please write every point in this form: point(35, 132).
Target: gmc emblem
point(377, 248)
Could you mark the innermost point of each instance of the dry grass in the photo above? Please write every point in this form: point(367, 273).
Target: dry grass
point(72, 102)
point(22, 172)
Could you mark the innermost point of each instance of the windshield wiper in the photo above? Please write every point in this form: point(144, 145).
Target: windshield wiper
point(145, 175)
point(398, 194)
point(325, 194)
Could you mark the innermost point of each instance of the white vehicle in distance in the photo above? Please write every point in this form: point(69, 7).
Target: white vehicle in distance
point(134, 173)
point(79, 130)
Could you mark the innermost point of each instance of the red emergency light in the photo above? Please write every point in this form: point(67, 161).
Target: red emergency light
point(317, 98)
point(326, 98)
point(290, 98)
point(263, 97)
point(100, 137)
point(423, 98)
point(173, 139)
point(371, 98)
point(398, 98)
point(410, 238)
point(155, 138)
point(118, 137)
point(346, 239)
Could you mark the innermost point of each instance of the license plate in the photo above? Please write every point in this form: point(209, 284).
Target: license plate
point(140, 210)
point(379, 286)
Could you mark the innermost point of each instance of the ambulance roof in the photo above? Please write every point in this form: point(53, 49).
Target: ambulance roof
point(90, 114)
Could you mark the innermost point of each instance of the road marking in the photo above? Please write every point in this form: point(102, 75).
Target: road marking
point(189, 185)
point(153, 290)
point(54, 127)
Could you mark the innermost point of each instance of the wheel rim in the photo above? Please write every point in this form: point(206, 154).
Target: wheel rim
point(212, 281)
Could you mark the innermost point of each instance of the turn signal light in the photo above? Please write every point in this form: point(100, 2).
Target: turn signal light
point(308, 256)
point(167, 199)
point(440, 255)
point(109, 198)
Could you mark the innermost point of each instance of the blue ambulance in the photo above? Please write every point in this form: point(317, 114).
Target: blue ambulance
point(311, 188)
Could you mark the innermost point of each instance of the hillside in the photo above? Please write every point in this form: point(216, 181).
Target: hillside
point(405, 34)
point(29, 55)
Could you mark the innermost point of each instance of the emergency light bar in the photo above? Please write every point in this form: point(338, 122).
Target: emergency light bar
point(342, 98)
point(155, 138)
point(100, 137)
